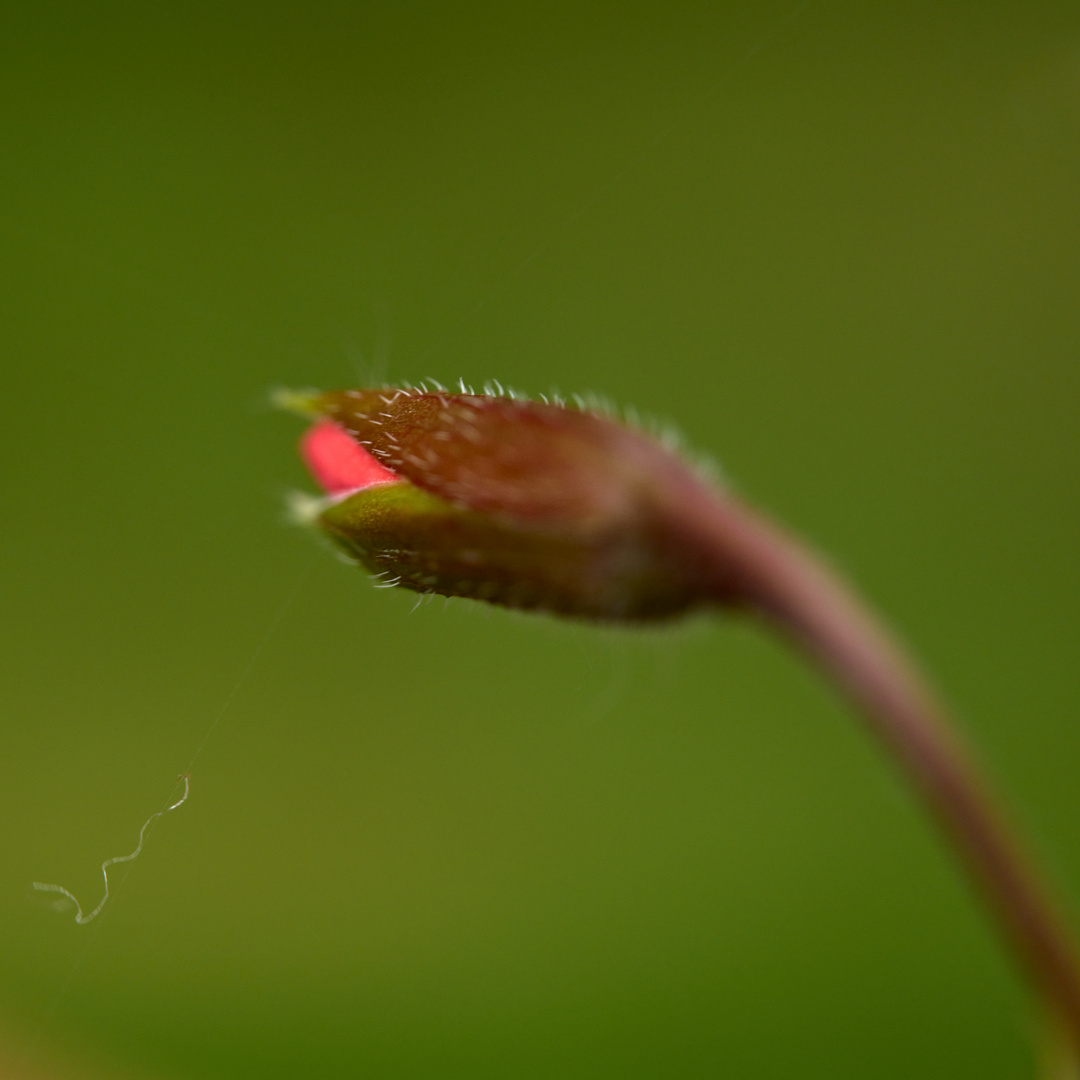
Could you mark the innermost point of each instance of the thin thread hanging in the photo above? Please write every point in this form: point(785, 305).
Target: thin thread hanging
point(80, 918)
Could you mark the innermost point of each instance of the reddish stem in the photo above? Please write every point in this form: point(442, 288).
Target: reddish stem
point(755, 563)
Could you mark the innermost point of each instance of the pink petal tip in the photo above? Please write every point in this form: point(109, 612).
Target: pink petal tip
point(339, 464)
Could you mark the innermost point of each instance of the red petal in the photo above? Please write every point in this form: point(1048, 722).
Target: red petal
point(338, 462)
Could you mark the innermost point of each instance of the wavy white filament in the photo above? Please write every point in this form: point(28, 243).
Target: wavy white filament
point(82, 918)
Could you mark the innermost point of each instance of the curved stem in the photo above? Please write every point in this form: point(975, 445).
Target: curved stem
point(751, 562)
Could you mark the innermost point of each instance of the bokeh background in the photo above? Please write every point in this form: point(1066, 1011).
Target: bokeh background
point(836, 242)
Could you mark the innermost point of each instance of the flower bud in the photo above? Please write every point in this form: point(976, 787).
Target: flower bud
point(520, 503)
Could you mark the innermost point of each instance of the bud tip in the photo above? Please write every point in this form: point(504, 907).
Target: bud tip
point(301, 402)
point(338, 462)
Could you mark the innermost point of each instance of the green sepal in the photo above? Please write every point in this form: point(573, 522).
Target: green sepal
point(411, 538)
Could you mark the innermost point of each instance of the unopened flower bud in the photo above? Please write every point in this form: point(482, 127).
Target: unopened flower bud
point(520, 503)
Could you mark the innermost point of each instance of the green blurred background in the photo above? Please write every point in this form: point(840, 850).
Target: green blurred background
point(837, 243)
